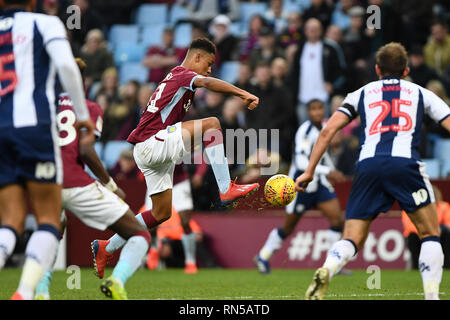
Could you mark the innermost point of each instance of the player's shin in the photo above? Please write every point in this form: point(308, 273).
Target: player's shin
point(40, 253)
point(116, 242)
point(339, 254)
point(188, 242)
point(431, 260)
point(216, 155)
point(273, 243)
point(131, 256)
point(8, 240)
point(334, 234)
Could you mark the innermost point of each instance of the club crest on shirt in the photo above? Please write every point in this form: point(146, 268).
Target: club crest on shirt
point(187, 105)
point(169, 76)
point(171, 129)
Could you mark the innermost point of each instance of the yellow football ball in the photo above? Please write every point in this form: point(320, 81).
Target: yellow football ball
point(279, 190)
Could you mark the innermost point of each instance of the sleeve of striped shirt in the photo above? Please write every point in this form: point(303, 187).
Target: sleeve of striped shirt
point(435, 107)
point(51, 28)
point(350, 104)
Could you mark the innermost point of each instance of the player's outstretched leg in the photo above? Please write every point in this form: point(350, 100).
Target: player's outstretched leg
point(211, 132)
point(153, 253)
point(189, 244)
point(8, 240)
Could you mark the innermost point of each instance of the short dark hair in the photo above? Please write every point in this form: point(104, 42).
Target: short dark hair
point(315, 100)
point(392, 59)
point(203, 44)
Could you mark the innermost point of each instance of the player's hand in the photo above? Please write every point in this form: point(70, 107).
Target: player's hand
point(302, 181)
point(120, 193)
point(250, 101)
point(336, 176)
point(88, 137)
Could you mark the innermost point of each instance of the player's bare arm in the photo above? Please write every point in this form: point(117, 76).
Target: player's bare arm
point(338, 121)
point(446, 123)
point(217, 85)
point(90, 157)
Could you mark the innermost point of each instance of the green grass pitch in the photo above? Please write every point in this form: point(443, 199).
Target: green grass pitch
point(235, 284)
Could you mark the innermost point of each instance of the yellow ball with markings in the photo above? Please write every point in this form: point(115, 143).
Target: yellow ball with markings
point(279, 190)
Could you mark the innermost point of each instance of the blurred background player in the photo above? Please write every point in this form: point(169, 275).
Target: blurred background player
point(96, 204)
point(413, 240)
point(161, 139)
point(319, 194)
point(30, 155)
point(388, 168)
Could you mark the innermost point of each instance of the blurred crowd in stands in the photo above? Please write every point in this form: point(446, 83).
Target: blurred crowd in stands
point(287, 54)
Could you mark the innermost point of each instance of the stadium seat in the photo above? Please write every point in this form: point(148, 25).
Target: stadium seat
point(249, 9)
point(176, 13)
point(236, 29)
point(229, 71)
point(183, 35)
point(292, 6)
point(123, 34)
point(445, 171)
point(98, 146)
point(442, 149)
point(151, 14)
point(112, 152)
point(129, 52)
point(133, 71)
point(152, 35)
point(432, 168)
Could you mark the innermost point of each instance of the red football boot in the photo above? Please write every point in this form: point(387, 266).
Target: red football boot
point(101, 256)
point(190, 268)
point(152, 258)
point(237, 191)
point(17, 296)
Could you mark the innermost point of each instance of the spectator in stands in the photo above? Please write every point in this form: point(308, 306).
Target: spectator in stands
point(244, 76)
point(161, 59)
point(432, 127)
point(292, 34)
point(340, 15)
point(321, 10)
point(225, 42)
point(259, 159)
point(90, 19)
point(410, 232)
point(116, 11)
point(276, 16)
point(50, 7)
point(267, 51)
point(98, 58)
point(279, 71)
point(144, 94)
point(109, 86)
point(275, 110)
point(204, 11)
point(437, 49)
point(353, 128)
point(420, 72)
point(344, 153)
point(250, 41)
point(125, 167)
point(316, 71)
point(212, 106)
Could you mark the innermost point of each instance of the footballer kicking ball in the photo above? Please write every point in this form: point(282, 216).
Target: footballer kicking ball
point(279, 190)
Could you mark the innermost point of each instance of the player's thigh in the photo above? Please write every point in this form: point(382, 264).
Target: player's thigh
point(193, 130)
point(13, 207)
point(426, 221)
point(331, 209)
point(162, 205)
point(96, 206)
point(357, 231)
point(127, 225)
point(46, 200)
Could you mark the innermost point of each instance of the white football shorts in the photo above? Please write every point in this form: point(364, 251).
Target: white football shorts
point(156, 157)
point(96, 206)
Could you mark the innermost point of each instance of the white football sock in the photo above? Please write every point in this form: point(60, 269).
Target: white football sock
point(431, 261)
point(7, 244)
point(116, 242)
point(338, 256)
point(273, 243)
point(219, 164)
point(40, 252)
point(188, 242)
point(333, 236)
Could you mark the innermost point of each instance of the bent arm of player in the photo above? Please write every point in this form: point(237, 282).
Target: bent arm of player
point(91, 159)
point(338, 121)
point(221, 86)
point(446, 123)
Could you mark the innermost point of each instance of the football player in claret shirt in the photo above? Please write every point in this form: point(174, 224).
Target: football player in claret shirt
point(97, 204)
point(161, 138)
